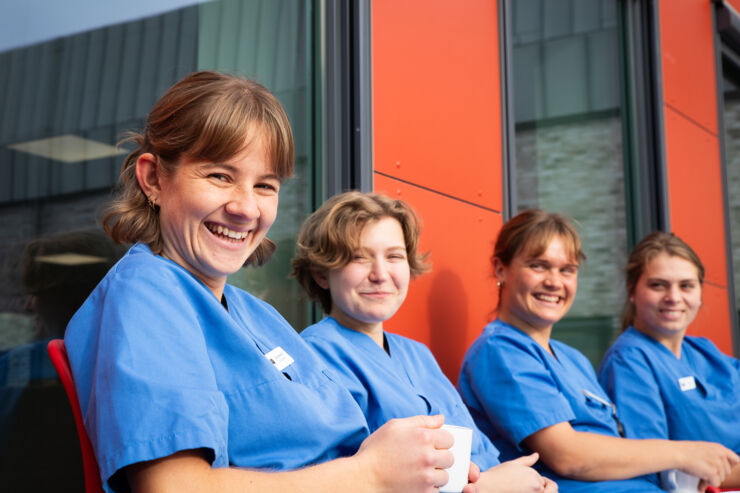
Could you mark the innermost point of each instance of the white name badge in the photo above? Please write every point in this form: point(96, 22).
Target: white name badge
point(687, 383)
point(279, 358)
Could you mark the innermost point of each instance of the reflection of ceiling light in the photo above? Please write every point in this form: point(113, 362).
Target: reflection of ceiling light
point(70, 259)
point(68, 148)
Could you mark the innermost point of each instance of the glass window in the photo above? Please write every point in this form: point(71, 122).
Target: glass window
point(727, 23)
point(569, 147)
point(74, 76)
point(731, 120)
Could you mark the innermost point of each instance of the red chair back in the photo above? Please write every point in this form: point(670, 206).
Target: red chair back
point(58, 355)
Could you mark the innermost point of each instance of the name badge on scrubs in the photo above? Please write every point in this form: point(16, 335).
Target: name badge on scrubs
point(687, 383)
point(279, 358)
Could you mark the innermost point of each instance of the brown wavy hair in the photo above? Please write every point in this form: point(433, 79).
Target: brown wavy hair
point(649, 247)
point(329, 237)
point(206, 116)
point(531, 232)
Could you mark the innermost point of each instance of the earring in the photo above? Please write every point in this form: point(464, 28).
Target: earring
point(152, 203)
point(498, 283)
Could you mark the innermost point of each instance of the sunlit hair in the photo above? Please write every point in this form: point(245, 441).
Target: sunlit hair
point(329, 237)
point(206, 116)
point(645, 251)
point(530, 233)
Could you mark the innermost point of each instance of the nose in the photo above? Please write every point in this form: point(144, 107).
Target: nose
point(378, 271)
point(672, 294)
point(552, 279)
point(242, 204)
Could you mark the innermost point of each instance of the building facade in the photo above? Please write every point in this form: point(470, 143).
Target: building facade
point(623, 114)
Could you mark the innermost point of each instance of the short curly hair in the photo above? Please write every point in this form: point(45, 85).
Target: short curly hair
point(329, 236)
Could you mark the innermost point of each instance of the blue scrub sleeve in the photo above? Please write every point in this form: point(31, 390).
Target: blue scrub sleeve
point(516, 390)
point(631, 384)
point(343, 368)
point(154, 391)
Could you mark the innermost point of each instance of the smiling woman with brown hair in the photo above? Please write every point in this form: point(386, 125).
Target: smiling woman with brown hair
point(188, 384)
point(665, 383)
point(529, 392)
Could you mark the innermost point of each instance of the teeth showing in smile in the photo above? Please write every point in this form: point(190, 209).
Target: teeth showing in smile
point(547, 297)
point(226, 232)
point(671, 313)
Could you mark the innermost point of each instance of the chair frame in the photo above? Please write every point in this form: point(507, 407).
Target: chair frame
point(58, 355)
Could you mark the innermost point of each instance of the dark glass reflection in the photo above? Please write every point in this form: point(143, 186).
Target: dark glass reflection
point(65, 104)
point(568, 139)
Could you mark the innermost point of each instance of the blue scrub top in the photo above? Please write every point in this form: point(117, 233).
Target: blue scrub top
point(658, 395)
point(406, 382)
point(514, 388)
point(161, 366)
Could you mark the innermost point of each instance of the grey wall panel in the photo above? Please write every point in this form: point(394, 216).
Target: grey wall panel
point(129, 70)
point(93, 85)
point(93, 79)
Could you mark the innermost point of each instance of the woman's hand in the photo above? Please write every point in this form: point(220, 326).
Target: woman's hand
point(516, 476)
point(473, 477)
point(408, 455)
point(709, 461)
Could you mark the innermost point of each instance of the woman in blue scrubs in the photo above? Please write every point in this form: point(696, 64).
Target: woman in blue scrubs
point(528, 392)
point(667, 384)
point(356, 255)
point(188, 384)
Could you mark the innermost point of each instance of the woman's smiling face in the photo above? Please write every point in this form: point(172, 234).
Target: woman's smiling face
point(667, 297)
point(214, 215)
point(537, 291)
point(370, 289)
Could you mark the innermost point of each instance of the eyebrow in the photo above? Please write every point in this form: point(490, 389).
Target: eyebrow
point(663, 279)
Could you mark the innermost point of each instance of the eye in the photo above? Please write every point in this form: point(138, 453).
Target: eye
point(397, 256)
point(268, 186)
point(655, 285)
point(219, 176)
point(688, 285)
point(538, 266)
point(570, 270)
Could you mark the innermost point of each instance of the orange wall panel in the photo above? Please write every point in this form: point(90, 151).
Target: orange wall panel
point(695, 192)
point(687, 56)
point(436, 96)
point(735, 4)
point(437, 143)
point(694, 169)
point(697, 216)
point(447, 307)
point(714, 317)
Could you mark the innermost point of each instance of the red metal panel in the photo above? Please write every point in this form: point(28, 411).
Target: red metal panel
point(692, 152)
point(447, 307)
point(436, 96)
point(714, 318)
point(687, 55)
point(697, 214)
point(735, 4)
point(437, 143)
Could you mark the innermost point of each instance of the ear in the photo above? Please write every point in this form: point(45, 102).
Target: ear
point(499, 270)
point(321, 279)
point(148, 175)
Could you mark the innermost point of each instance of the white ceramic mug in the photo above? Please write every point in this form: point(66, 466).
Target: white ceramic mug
point(675, 481)
point(461, 452)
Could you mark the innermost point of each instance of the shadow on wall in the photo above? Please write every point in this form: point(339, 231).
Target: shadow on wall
point(448, 318)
